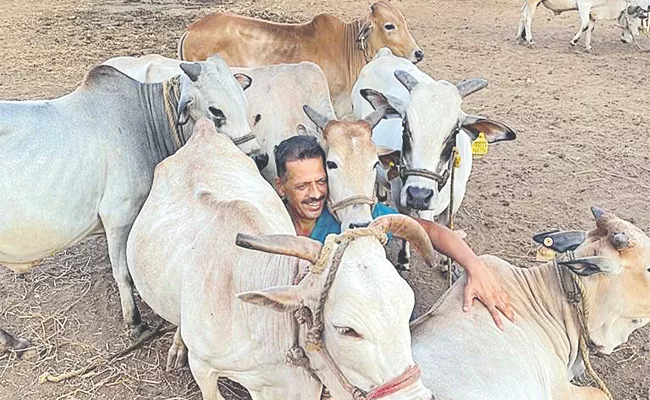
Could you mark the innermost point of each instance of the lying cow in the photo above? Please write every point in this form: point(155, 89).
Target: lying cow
point(276, 100)
point(83, 164)
point(419, 148)
point(235, 307)
point(631, 15)
point(341, 49)
point(537, 357)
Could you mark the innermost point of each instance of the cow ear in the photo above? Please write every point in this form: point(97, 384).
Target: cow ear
point(244, 80)
point(394, 107)
point(494, 131)
point(279, 298)
point(587, 266)
point(560, 241)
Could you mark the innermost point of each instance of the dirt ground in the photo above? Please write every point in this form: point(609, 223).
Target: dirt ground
point(582, 120)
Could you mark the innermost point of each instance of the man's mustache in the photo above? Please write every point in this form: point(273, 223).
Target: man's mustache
point(313, 199)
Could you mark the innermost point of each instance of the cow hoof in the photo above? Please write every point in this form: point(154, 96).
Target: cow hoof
point(588, 49)
point(572, 43)
point(138, 330)
point(176, 357)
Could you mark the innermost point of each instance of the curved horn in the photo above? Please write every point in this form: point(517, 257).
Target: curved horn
point(317, 118)
point(407, 228)
point(406, 79)
point(469, 86)
point(619, 240)
point(288, 245)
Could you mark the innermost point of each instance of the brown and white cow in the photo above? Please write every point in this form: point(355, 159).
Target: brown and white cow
point(340, 48)
point(536, 357)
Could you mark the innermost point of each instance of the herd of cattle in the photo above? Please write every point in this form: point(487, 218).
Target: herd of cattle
point(171, 160)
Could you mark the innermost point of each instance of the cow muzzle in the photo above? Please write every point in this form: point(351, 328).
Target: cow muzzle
point(418, 55)
point(261, 160)
point(418, 198)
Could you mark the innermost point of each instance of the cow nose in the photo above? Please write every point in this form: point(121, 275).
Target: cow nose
point(418, 198)
point(419, 55)
point(261, 160)
point(359, 225)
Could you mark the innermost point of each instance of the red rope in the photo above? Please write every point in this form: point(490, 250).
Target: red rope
point(409, 377)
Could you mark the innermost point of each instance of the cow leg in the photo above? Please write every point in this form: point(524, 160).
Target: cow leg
point(117, 226)
point(584, 23)
point(404, 257)
point(177, 354)
point(525, 32)
point(20, 346)
point(590, 30)
point(205, 377)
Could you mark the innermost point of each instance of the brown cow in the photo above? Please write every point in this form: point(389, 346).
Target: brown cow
point(340, 48)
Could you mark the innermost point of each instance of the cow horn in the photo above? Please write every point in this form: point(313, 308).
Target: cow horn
point(406, 79)
point(288, 245)
point(619, 240)
point(597, 212)
point(469, 86)
point(409, 229)
point(317, 118)
point(192, 70)
point(374, 117)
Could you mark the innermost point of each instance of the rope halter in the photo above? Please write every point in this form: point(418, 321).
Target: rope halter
point(574, 292)
point(171, 93)
point(348, 202)
point(332, 254)
point(246, 138)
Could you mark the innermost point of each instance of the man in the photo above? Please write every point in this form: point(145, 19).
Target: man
point(302, 182)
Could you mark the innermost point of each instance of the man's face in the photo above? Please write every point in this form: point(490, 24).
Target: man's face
point(305, 186)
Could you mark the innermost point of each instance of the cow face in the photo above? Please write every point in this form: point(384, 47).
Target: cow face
point(351, 162)
point(366, 314)
point(208, 89)
point(386, 27)
point(614, 265)
point(433, 124)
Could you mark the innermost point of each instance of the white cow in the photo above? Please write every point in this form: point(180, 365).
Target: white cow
point(276, 99)
point(536, 357)
point(235, 307)
point(83, 164)
point(631, 15)
point(421, 145)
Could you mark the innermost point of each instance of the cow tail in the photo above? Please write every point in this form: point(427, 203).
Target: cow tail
point(180, 46)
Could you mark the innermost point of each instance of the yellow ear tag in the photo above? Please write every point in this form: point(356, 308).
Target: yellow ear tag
point(480, 145)
point(457, 160)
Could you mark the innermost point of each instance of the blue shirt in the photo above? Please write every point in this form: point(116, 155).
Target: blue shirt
point(326, 224)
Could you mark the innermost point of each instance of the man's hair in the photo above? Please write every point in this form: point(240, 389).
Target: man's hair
point(296, 148)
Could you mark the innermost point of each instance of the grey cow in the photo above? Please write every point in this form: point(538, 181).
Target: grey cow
point(83, 164)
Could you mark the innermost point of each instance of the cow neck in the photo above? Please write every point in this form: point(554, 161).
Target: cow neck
point(542, 288)
point(352, 49)
point(159, 131)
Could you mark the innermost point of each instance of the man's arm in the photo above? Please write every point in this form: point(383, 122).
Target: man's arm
point(481, 283)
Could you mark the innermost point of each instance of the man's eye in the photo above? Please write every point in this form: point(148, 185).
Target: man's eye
point(322, 182)
point(301, 187)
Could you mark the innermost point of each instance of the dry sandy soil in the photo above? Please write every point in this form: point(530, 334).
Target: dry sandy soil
point(582, 120)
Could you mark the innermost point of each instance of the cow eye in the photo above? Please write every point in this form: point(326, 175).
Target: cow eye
point(218, 115)
point(389, 26)
point(331, 165)
point(347, 331)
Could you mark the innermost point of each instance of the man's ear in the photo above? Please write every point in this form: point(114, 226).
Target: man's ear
point(279, 298)
point(279, 187)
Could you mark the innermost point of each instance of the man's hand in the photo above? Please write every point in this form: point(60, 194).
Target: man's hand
point(482, 285)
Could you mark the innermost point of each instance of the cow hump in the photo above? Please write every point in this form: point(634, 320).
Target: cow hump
point(107, 79)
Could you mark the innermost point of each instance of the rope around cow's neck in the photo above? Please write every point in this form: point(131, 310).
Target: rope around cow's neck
point(362, 43)
point(576, 298)
point(314, 321)
point(171, 90)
